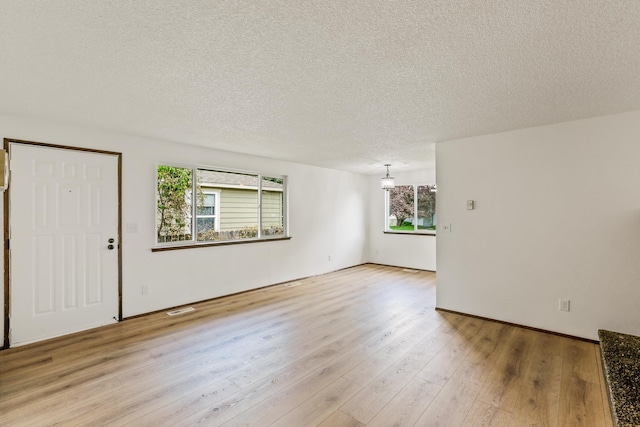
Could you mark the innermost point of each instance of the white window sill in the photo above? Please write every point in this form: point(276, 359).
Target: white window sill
point(191, 245)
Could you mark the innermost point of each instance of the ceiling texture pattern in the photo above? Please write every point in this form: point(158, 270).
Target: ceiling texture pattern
point(348, 85)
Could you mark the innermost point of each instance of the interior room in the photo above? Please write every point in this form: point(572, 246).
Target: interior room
point(512, 127)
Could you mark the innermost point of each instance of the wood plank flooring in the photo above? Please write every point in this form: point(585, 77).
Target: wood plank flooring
point(358, 347)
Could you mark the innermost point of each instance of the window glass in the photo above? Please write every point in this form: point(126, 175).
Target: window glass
point(238, 206)
point(208, 205)
point(228, 205)
point(173, 207)
point(272, 207)
point(401, 208)
point(206, 215)
point(411, 208)
point(426, 211)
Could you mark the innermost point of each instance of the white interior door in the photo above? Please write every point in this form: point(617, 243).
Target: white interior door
point(63, 213)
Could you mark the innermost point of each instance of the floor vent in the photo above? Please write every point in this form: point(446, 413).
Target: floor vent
point(292, 284)
point(180, 311)
point(409, 270)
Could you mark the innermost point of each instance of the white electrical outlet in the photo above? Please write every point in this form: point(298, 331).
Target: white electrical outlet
point(445, 228)
point(564, 305)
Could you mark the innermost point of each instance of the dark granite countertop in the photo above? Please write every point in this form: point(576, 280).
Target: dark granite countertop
point(621, 361)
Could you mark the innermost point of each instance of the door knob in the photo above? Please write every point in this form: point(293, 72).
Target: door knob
point(111, 240)
point(110, 247)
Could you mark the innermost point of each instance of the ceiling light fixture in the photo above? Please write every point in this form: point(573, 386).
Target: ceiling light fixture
point(388, 183)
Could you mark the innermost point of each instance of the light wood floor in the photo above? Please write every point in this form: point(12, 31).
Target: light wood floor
point(362, 346)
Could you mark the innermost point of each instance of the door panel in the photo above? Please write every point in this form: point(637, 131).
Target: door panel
point(63, 211)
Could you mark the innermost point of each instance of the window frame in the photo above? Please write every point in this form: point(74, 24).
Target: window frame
point(193, 242)
point(416, 230)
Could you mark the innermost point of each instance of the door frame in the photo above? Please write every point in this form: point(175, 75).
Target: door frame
point(7, 222)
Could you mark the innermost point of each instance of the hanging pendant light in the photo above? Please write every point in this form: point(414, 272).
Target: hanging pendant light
point(388, 183)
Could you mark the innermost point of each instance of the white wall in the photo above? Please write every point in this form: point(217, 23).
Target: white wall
point(319, 202)
point(411, 251)
point(558, 216)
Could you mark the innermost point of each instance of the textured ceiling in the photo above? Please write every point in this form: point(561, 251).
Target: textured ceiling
point(343, 84)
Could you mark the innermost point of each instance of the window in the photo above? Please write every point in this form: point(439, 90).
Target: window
point(207, 212)
point(228, 205)
point(271, 207)
point(404, 215)
point(173, 213)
